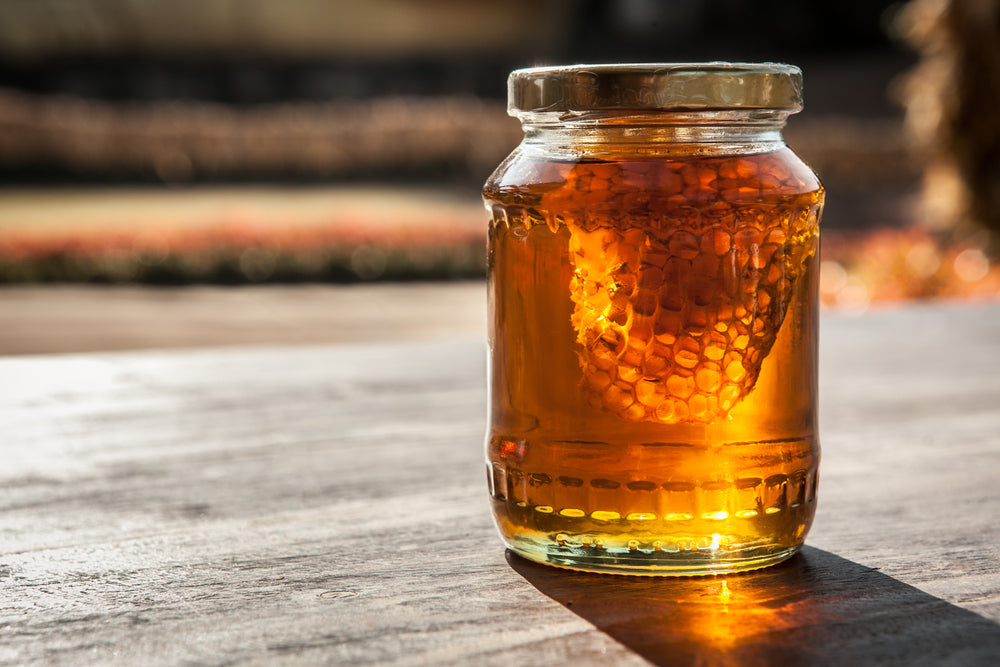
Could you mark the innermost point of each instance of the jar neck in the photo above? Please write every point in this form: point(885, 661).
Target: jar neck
point(596, 133)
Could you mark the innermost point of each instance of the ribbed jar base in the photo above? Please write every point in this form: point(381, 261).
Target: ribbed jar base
point(740, 506)
point(646, 562)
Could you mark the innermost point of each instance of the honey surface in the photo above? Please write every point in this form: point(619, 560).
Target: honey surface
point(653, 361)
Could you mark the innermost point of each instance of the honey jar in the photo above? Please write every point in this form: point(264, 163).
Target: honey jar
point(653, 274)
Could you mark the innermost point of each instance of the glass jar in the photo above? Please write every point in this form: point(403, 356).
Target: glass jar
point(653, 273)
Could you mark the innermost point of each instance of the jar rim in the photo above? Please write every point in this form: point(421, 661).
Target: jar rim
point(655, 87)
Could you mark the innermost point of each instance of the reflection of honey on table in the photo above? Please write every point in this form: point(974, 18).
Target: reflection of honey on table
point(653, 366)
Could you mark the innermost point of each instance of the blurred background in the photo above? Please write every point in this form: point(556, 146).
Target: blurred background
point(208, 172)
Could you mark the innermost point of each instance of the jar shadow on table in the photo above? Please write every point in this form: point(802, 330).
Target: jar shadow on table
point(815, 608)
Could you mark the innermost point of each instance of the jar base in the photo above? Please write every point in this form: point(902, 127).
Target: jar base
point(648, 563)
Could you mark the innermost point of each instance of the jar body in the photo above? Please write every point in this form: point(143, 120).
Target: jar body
point(653, 328)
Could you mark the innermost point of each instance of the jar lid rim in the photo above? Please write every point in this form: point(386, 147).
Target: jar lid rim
point(655, 86)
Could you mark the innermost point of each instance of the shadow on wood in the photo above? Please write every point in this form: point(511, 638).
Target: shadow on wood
point(816, 608)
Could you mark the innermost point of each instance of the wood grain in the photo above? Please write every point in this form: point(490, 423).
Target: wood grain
point(326, 504)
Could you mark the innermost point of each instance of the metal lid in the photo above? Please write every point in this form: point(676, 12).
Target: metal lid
point(656, 86)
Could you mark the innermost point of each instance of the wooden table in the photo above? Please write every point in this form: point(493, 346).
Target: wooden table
point(327, 504)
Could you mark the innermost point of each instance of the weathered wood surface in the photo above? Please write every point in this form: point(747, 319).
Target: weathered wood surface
point(326, 504)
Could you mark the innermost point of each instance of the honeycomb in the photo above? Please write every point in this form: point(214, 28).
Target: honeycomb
point(680, 288)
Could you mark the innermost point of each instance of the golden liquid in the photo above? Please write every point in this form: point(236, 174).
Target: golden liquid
point(653, 361)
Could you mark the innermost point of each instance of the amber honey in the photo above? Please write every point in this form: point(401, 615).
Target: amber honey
point(653, 333)
point(653, 305)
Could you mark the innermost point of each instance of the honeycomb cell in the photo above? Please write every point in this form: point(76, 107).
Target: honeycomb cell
point(598, 380)
point(686, 359)
point(698, 407)
point(735, 371)
point(714, 352)
point(708, 379)
point(629, 373)
point(679, 386)
point(684, 244)
point(645, 302)
point(665, 412)
point(650, 392)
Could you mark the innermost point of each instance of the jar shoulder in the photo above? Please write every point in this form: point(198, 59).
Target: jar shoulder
point(779, 171)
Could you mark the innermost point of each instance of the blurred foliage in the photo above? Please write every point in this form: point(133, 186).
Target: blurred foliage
point(862, 268)
point(238, 254)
